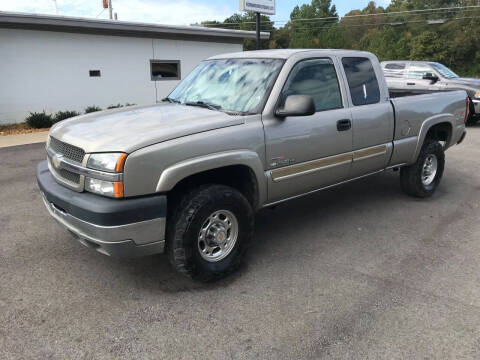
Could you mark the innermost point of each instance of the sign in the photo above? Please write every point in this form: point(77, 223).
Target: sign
point(259, 6)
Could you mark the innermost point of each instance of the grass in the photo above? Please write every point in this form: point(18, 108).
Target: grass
point(20, 128)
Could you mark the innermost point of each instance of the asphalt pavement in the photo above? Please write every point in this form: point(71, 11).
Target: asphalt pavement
point(360, 271)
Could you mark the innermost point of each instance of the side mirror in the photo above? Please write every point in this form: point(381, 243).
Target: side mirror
point(297, 105)
point(431, 77)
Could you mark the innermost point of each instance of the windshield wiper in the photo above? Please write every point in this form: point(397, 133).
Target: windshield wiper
point(204, 105)
point(170, 100)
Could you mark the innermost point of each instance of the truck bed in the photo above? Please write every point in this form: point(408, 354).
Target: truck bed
point(415, 113)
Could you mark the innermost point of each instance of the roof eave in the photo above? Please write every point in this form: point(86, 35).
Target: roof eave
point(74, 24)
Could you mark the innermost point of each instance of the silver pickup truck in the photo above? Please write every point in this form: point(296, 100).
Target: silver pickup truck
point(242, 132)
point(422, 77)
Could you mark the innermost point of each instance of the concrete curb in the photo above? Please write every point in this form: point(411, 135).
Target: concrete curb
point(23, 139)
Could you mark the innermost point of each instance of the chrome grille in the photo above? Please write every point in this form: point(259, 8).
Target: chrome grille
point(68, 151)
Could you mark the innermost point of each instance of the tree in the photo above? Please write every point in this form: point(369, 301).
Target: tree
point(310, 23)
point(454, 41)
point(245, 21)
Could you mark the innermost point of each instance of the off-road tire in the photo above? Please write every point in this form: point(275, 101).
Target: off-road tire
point(186, 221)
point(411, 176)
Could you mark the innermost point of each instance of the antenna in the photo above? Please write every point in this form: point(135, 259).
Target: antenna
point(55, 4)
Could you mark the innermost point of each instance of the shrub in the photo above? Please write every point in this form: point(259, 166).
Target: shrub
point(128, 104)
point(39, 120)
point(115, 106)
point(91, 109)
point(62, 115)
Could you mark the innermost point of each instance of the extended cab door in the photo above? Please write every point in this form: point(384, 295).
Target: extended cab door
point(372, 115)
point(305, 153)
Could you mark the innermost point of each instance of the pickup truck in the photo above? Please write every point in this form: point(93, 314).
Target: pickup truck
point(241, 132)
point(421, 77)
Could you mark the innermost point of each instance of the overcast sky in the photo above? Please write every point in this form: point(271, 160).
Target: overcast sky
point(182, 12)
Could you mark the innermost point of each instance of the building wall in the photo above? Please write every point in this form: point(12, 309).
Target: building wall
point(42, 70)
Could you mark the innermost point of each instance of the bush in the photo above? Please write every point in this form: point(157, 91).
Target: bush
point(128, 104)
point(115, 106)
point(39, 120)
point(62, 115)
point(91, 109)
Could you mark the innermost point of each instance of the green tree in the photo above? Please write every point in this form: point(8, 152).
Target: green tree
point(397, 32)
point(310, 24)
point(245, 21)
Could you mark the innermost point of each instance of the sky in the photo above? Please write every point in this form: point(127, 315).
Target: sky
point(176, 12)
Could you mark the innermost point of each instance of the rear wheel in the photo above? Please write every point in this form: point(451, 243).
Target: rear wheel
point(210, 232)
point(422, 178)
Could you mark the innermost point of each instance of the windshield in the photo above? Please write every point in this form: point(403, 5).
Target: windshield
point(238, 85)
point(444, 71)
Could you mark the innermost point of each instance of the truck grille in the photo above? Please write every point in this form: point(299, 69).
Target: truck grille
point(69, 176)
point(69, 151)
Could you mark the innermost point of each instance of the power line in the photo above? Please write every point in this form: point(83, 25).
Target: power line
point(378, 24)
point(335, 18)
point(100, 13)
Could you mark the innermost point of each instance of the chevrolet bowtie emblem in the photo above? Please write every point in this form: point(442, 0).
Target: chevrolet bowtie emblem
point(57, 161)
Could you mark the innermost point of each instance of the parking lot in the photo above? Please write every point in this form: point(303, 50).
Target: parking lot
point(360, 271)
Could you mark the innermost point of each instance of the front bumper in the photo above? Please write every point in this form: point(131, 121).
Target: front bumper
point(123, 228)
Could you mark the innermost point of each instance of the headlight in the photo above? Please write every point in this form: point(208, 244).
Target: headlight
point(110, 162)
point(105, 188)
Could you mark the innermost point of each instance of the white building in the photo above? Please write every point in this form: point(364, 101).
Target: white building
point(57, 63)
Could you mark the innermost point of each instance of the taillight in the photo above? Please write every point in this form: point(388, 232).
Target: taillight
point(467, 110)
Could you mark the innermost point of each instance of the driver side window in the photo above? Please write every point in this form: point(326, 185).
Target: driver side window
point(418, 71)
point(317, 78)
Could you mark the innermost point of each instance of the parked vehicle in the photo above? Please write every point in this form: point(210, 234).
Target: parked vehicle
point(420, 77)
point(242, 132)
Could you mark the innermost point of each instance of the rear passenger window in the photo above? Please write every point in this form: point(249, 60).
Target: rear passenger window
point(362, 80)
point(396, 70)
point(395, 66)
point(317, 78)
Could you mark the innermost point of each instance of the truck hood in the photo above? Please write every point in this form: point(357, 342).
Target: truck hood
point(471, 82)
point(127, 130)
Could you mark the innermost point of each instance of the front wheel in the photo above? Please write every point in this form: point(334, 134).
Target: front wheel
point(210, 232)
point(423, 177)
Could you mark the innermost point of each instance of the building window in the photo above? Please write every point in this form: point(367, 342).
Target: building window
point(165, 69)
point(94, 73)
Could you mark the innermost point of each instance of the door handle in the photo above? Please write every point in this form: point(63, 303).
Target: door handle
point(410, 83)
point(343, 125)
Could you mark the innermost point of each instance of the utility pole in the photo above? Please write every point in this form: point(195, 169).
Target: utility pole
point(258, 30)
point(110, 10)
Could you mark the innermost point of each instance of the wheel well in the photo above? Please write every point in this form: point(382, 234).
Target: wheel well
point(240, 177)
point(440, 132)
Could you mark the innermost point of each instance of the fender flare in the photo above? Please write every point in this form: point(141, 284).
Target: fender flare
point(427, 125)
point(181, 170)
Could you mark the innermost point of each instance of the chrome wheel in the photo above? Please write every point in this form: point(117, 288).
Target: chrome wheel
point(218, 236)
point(429, 170)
